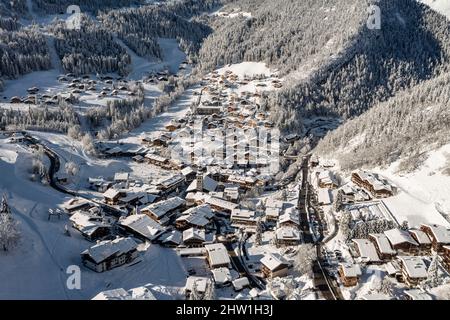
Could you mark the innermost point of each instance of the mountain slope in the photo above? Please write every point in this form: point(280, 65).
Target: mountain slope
point(407, 126)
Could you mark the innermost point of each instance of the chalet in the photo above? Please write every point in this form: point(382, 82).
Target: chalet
point(173, 126)
point(196, 198)
point(194, 237)
point(112, 196)
point(158, 161)
point(198, 283)
point(349, 274)
point(217, 256)
point(291, 218)
point(372, 182)
point(171, 184)
point(76, 204)
point(241, 283)
point(141, 226)
point(272, 214)
point(439, 236)
point(393, 270)
point(199, 217)
point(243, 181)
point(161, 211)
point(287, 236)
point(139, 293)
point(15, 100)
point(326, 179)
point(138, 158)
point(189, 174)
point(422, 239)
point(171, 239)
point(243, 218)
point(273, 266)
point(231, 194)
point(446, 257)
point(121, 177)
point(366, 251)
point(99, 184)
point(209, 109)
point(220, 204)
point(401, 241)
point(417, 295)
point(202, 183)
point(221, 276)
point(107, 255)
point(161, 141)
point(92, 227)
point(413, 270)
point(384, 249)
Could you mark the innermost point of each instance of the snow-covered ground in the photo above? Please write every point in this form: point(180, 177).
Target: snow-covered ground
point(423, 193)
point(36, 269)
point(441, 6)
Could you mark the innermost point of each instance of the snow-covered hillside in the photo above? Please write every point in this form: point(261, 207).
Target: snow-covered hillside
point(441, 6)
point(423, 194)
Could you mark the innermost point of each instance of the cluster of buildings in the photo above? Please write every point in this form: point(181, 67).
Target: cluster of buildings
point(401, 252)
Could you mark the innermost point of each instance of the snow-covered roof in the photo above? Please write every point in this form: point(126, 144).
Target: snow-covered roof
point(414, 266)
point(186, 171)
point(240, 283)
point(173, 236)
point(154, 157)
point(140, 293)
point(351, 270)
point(376, 296)
point(114, 294)
point(290, 216)
point(218, 254)
point(421, 236)
point(111, 193)
point(273, 212)
point(288, 233)
point(398, 236)
point(392, 267)
point(200, 283)
point(274, 203)
point(274, 262)
point(441, 233)
point(383, 243)
point(367, 250)
point(161, 208)
point(374, 180)
point(416, 294)
point(243, 214)
point(172, 181)
point(324, 196)
point(194, 234)
point(105, 249)
point(227, 205)
point(209, 184)
point(221, 275)
point(121, 176)
point(143, 225)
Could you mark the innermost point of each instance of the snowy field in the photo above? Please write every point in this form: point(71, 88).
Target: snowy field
point(441, 6)
point(424, 194)
point(36, 269)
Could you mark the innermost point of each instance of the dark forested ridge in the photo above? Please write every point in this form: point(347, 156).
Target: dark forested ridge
point(92, 49)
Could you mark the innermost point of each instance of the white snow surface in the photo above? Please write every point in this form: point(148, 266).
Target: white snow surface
point(441, 6)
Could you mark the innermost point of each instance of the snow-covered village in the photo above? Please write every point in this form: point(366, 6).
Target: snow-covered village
point(140, 161)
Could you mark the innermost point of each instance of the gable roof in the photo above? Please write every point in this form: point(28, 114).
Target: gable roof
point(143, 225)
point(398, 236)
point(105, 249)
